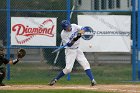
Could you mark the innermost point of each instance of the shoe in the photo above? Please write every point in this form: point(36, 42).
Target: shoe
point(93, 82)
point(52, 82)
point(2, 84)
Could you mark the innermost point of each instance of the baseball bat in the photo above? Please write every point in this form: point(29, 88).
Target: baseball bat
point(58, 49)
point(57, 54)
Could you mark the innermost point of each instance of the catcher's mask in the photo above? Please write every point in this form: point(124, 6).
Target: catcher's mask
point(66, 25)
point(2, 51)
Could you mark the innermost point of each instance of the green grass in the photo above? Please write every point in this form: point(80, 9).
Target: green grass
point(41, 73)
point(50, 91)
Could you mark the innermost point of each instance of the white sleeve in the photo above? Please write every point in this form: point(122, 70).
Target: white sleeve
point(78, 27)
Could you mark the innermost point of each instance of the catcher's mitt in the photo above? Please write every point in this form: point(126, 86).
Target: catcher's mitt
point(21, 53)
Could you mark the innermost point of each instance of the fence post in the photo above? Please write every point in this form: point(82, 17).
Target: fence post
point(134, 40)
point(8, 38)
point(138, 39)
point(68, 18)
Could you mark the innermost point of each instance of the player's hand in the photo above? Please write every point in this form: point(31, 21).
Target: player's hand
point(81, 32)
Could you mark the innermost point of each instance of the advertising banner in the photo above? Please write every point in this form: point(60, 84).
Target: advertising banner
point(110, 33)
point(33, 31)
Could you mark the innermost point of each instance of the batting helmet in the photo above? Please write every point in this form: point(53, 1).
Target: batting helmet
point(65, 24)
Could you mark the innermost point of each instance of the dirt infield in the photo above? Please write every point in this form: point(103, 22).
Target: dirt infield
point(109, 88)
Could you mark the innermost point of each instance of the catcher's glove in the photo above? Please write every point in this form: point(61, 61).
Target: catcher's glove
point(21, 53)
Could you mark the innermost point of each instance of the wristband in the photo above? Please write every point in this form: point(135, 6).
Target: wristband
point(15, 61)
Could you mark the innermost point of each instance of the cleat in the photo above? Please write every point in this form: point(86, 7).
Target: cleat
point(52, 82)
point(93, 82)
point(2, 84)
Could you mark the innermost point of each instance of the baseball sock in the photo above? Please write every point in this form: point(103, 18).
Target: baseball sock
point(90, 75)
point(61, 74)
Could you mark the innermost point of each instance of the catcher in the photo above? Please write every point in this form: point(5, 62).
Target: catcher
point(21, 53)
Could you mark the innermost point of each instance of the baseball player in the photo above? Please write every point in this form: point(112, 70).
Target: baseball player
point(5, 61)
point(70, 35)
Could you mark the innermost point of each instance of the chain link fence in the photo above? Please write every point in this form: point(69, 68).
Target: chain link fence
point(59, 10)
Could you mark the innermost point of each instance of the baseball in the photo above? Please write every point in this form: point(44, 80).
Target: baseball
point(90, 45)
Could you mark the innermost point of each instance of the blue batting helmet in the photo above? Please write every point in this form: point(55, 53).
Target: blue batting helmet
point(65, 24)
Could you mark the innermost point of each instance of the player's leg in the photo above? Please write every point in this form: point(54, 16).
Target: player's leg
point(2, 76)
point(70, 56)
point(86, 66)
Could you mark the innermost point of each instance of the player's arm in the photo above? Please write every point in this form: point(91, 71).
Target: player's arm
point(20, 54)
point(6, 61)
point(79, 34)
point(15, 61)
point(65, 39)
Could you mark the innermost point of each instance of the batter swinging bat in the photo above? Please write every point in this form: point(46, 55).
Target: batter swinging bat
point(71, 42)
